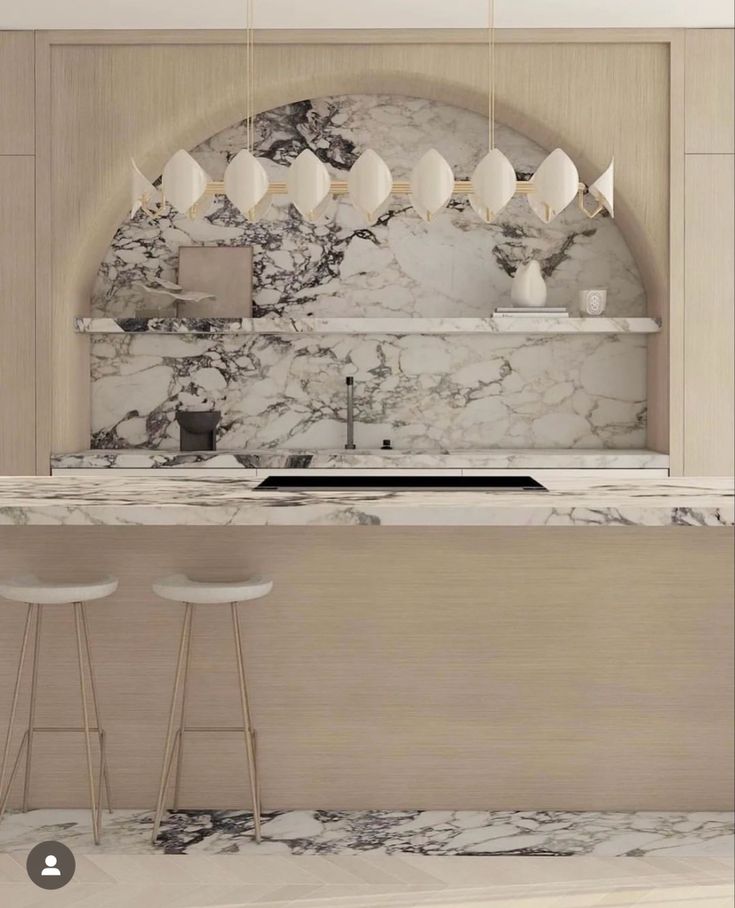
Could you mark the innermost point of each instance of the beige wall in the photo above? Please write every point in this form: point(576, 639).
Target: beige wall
point(17, 255)
point(100, 97)
point(148, 95)
point(477, 668)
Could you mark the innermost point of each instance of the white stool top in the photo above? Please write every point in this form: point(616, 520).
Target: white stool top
point(41, 592)
point(179, 588)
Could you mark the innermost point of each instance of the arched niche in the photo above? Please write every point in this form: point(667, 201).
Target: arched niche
point(575, 252)
point(226, 111)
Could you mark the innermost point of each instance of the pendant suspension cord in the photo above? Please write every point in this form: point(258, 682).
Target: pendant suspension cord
point(248, 76)
point(248, 92)
point(491, 73)
point(251, 58)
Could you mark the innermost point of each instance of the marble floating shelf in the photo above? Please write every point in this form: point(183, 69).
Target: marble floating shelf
point(506, 324)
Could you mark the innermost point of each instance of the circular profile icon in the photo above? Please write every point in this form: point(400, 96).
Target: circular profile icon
point(51, 865)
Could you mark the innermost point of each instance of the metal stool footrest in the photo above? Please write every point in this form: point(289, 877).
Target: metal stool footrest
point(34, 616)
point(177, 727)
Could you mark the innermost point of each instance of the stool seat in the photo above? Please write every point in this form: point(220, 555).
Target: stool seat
point(30, 589)
point(180, 588)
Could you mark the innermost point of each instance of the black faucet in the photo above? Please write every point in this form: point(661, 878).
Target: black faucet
point(350, 382)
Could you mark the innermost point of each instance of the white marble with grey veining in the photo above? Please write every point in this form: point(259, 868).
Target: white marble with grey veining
point(539, 459)
point(459, 391)
point(475, 833)
point(467, 392)
point(536, 323)
point(152, 500)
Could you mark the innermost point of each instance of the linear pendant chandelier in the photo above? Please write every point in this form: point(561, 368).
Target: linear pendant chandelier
point(186, 186)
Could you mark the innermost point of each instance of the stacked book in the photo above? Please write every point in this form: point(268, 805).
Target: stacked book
point(534, 311)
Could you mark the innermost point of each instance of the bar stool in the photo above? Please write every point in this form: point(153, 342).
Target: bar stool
point(36, 594)
point(179, 588)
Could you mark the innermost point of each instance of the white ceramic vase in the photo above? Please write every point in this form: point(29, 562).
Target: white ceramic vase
point(528, 288)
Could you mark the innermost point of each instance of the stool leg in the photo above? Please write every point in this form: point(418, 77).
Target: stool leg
point(32, 707)
point(104, 772)
point(247, 723)
point(182, 715)
point(85, 722)
point(13, 708)
point(171, 738)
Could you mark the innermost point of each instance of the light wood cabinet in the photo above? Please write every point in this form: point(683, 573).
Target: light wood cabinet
point(709, 91)
point(17, 85)
point(709, 395)
point(17, 316)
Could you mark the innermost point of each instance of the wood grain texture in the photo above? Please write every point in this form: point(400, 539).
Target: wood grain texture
point(44, 239)
point(710, 96)
point(471, 668)
point(110, 102)
point(666, 383)
point(447, 36)
point(709, 379)
point(16, 93)
point(17, 316)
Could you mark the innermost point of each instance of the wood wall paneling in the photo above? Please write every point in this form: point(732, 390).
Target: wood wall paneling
point(709, 325)
point(710, 95)
point(353, 36)
point(17, 316)
point(110, 101)
point(16, 93)
point(669, 345)
point(446, 679)
point(109, 91)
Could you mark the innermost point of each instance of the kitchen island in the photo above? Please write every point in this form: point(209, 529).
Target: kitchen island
point(569, 648)
point(153, 500)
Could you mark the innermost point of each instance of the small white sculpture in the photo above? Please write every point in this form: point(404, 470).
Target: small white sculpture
point(164, 298)
point(528, 288)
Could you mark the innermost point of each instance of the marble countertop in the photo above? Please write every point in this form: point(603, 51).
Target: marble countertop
point(538, 459)
point(171, 501)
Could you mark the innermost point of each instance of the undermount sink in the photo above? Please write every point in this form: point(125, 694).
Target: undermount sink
point(339, 483)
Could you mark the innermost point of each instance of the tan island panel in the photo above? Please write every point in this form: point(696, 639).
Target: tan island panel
point(395, 668)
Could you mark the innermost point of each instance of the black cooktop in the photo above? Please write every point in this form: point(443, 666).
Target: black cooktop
point(339, 483)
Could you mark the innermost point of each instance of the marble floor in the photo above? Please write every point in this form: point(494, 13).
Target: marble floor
point(379, 859)
point(431, 833)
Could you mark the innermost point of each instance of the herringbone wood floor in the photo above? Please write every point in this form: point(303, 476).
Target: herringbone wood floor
point(375, 881)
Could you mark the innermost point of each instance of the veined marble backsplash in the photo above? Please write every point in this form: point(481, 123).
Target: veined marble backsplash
point(423, 392)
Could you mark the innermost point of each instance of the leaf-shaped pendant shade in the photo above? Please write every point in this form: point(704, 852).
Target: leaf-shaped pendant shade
point(142, 191)
point(432, 184)
point(309, 185)
point(493, 185)
point(602, 190)
point(246, 185)
point(184, 181)
point(370, 184)
point(556, 183)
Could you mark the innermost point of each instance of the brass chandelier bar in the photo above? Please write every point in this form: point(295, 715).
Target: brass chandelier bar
point(400, 187)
